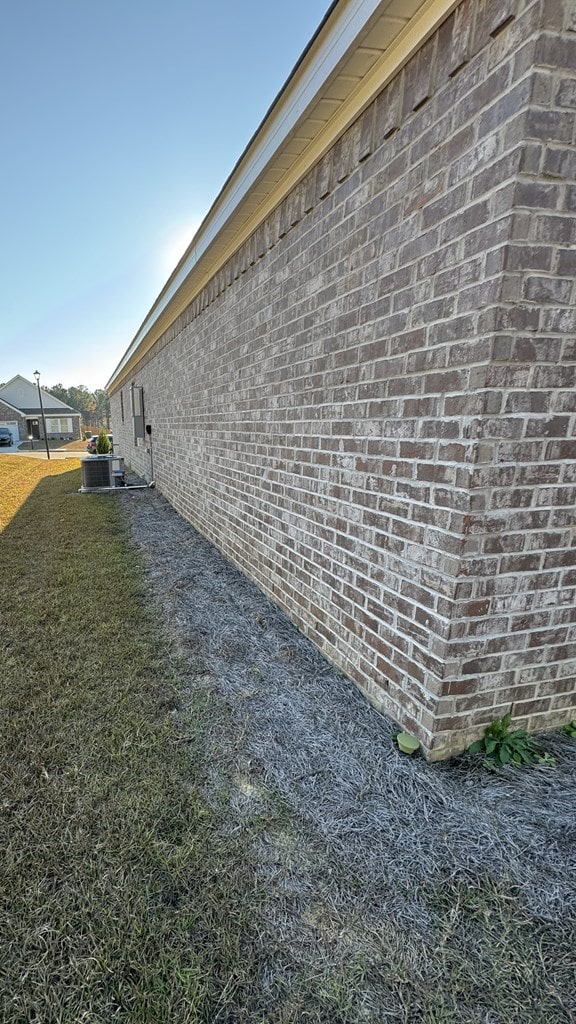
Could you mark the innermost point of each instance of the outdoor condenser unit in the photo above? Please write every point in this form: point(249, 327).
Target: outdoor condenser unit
point(102, 471)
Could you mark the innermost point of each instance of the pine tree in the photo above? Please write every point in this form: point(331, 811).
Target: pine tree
point(102, 444)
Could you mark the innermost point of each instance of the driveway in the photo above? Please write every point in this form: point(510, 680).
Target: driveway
point(40, 453)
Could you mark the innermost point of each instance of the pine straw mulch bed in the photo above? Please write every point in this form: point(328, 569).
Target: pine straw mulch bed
point(378, 888)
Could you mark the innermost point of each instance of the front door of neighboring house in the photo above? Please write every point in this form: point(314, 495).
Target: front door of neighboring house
point(34, 429)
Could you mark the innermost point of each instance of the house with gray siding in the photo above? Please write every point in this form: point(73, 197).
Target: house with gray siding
point(21, 412)
point(360, 378)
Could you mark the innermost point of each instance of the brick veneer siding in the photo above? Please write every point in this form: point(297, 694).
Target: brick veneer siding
point(369, 409)
point(7, 414)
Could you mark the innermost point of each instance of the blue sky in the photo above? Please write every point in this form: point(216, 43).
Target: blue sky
point(120, 121)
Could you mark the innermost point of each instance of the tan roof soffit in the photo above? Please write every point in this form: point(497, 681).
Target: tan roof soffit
point(235, 215)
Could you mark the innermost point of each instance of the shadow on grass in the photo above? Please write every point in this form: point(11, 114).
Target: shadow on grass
point(111, 899)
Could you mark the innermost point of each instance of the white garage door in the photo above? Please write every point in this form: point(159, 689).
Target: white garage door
point(13, 428)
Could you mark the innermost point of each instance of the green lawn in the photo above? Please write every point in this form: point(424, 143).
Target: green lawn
point(112, 904)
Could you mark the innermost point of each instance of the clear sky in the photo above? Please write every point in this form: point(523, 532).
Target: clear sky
point(120, 120)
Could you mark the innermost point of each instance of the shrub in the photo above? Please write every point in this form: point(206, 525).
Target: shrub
point(102, 444)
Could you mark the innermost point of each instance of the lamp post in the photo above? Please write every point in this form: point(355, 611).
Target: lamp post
point(37, 376)
point(31, 439)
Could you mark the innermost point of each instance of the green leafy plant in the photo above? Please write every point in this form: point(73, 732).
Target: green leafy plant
point(570, 729)
point(102, 444)
point(502, 746)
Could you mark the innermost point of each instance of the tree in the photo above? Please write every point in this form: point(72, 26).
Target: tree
point(83, 400)
point(59, 392)
point(94, 406)
point(102, 400)
point(102, 444)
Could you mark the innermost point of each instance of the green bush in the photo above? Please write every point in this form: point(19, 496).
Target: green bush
point(102, 444)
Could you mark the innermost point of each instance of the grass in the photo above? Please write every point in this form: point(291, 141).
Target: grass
point(112, 901)
point(54, 444)
point(151, 874)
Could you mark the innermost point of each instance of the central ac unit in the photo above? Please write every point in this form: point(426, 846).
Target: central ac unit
point(102, 471)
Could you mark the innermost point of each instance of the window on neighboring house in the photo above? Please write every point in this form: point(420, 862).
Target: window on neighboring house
point(59, 425)
point(137, 403)
point(122, 406)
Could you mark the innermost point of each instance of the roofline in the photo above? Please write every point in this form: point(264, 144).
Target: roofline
point(53, 410)
point(50, 410)
point(335, 38)
point(10, 406)
point(61, 407)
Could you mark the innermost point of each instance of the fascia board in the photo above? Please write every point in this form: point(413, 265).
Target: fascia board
point(10, 406)
point(292, 102)
point(346, 24)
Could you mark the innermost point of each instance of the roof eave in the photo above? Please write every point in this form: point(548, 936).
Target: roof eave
point(341, 31)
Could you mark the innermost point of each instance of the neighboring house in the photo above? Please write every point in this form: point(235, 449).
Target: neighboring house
point(20, 411)
point(360, 378)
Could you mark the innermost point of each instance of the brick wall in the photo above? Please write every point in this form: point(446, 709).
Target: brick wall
point(369, 408)
point(8, 415)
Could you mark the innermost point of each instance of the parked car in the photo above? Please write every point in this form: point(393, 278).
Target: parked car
point(5, 436)
point(91, 445)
